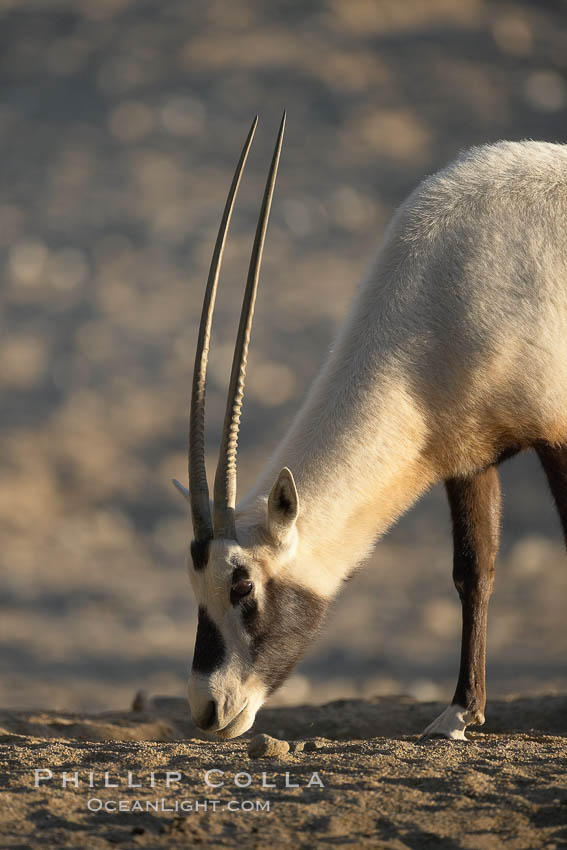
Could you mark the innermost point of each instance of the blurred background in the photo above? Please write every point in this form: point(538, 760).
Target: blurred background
point(120, 124)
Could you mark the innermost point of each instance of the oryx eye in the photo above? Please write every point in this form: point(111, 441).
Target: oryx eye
point(240, 589)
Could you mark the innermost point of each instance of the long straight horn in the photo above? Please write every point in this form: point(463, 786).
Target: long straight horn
point(198, 487)
point(225, 479)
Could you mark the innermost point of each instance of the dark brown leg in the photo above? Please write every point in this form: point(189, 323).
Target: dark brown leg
point(475, 511)
point(554, 461)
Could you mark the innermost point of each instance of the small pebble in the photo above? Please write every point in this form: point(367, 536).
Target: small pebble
point(266, 746)
point(315, 744)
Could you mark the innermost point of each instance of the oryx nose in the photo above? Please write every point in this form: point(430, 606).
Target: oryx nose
point(209, 716)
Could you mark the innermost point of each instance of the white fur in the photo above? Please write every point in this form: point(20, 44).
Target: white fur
point(455, 348)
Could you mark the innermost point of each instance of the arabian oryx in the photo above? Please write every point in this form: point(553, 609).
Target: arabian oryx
point(453, 358)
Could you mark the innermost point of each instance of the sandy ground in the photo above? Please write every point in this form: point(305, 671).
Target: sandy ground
point(368, 782)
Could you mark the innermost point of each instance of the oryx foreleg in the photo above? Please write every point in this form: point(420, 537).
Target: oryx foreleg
point(475, 512)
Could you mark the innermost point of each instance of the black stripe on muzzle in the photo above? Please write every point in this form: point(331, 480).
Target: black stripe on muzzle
point(210, 650)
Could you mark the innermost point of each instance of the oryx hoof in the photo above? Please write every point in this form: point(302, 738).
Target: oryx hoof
point(451, 724)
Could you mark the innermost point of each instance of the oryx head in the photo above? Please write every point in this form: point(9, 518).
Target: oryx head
point(254, 623)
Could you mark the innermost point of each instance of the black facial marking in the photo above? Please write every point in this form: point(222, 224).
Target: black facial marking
point(249, 614)
point(290, 617)
point(200, 553)
point(210, 650)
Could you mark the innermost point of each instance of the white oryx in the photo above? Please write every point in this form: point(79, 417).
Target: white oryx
point(453, 358)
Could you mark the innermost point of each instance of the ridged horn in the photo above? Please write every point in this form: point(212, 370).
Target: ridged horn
point(198, 486)
point(225, 479)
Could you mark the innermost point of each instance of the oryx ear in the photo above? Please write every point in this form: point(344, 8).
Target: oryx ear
point(283, 505)
point(179, 486)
